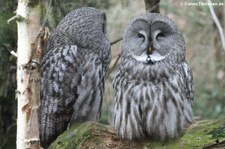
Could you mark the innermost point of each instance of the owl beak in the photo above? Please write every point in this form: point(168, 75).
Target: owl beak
point(149, 50)
point(150, 47)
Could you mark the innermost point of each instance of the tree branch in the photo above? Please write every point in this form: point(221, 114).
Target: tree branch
point(7, 48)
point(220, 29)
point(117, 58)
point(95, 135)
point(114, 42)
point(16, 18)
point(152, 6)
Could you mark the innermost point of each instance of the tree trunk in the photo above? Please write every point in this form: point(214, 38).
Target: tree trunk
point(28, 76)
point(152, 6)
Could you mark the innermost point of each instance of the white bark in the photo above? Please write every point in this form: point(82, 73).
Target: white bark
point(27, 78)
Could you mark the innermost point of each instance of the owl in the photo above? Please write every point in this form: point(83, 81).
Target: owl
point(153, 84)
point(73, 72)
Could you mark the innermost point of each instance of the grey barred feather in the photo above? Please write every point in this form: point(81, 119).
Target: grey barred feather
point(73, 72)
point(153, 99)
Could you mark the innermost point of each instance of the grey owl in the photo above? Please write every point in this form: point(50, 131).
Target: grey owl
point(73, 71)
point(153, 84)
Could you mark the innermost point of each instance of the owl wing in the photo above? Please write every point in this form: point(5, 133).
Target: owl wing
point(189, 81)
point(91, 89)
point(60, 77)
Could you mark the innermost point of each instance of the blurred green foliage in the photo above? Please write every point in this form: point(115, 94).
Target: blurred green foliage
point(8, 39)
point(7, 62)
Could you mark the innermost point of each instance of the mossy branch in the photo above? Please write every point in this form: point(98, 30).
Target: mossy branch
point(201, 134)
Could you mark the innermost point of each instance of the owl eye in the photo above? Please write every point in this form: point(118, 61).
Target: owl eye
point(160, 35)
point(140, 35)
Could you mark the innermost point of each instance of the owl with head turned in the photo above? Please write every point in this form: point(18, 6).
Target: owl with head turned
point(73, 71)
point(153, 84)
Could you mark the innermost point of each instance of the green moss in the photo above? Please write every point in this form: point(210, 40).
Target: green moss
point(80, 135)
point(95, 135)
point(69, 139)
point(197, 136)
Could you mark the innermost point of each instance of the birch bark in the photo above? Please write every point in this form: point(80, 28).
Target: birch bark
point(28, 22)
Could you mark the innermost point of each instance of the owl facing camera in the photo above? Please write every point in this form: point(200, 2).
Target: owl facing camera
point(154, 84)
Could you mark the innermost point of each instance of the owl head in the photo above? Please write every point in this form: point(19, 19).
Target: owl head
point(84, 27)
point(153, 39)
